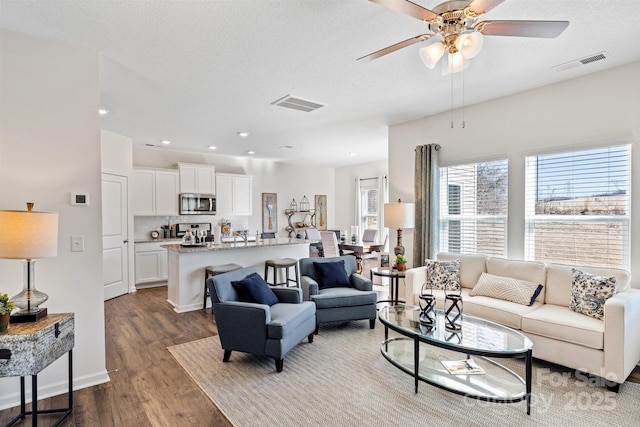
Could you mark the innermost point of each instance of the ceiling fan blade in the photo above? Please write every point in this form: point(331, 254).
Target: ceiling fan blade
point(544, 29)
point(387, 50)
point(408, 8)
point(478, 7)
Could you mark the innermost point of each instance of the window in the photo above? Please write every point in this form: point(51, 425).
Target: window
point(369, 205)
point(577, 207)
point(473, 208)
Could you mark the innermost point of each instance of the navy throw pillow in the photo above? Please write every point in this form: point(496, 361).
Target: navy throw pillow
point(254, 289)
point(332, 275)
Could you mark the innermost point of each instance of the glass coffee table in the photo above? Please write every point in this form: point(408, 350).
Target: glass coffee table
point(422, 349)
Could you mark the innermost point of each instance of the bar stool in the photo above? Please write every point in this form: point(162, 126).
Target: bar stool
point(214, 270)
point(277, 264)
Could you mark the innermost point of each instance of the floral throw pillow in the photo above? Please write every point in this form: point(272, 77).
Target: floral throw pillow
point(444, 275)
point(590, 292)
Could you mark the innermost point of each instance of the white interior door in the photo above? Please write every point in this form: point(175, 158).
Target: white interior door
point(115, 240)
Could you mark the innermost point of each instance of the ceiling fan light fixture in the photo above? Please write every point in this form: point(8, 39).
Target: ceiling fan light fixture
point(431, 54)
point(469, 44)
point(455, 63)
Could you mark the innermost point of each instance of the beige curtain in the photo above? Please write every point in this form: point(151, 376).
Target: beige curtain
point(427, 198)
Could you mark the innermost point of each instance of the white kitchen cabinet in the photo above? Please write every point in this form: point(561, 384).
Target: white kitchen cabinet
point(151, 263)
point(233, 194)
point(155, 192)
point(197, 179)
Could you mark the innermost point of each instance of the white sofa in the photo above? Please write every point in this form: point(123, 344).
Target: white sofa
point(608, 348)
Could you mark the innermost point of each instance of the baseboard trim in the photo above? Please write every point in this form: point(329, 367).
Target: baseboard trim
point(49, 390)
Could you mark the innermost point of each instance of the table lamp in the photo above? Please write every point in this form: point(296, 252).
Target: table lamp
point(399, 215)
point(28, 235)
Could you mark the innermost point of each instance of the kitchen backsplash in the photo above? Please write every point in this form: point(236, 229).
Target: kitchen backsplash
point(144, 225)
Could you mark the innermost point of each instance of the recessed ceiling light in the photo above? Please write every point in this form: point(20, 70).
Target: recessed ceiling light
point(212, 147)
point(352, 154)
point(103, 112)
point(166, 142)
point(286, 147)
point(243, 134)
point(251, 152)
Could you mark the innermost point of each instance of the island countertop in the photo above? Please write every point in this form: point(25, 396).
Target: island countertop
point(209, 246)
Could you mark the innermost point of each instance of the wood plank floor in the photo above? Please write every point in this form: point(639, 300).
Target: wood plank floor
point(147, 387)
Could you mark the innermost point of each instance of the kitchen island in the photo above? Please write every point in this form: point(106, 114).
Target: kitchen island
point(187, 264)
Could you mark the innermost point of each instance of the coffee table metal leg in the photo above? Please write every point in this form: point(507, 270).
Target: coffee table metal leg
point(416, 361)
point(528, 381)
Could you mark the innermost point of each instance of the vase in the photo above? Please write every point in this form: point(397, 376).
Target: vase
point(4, 321)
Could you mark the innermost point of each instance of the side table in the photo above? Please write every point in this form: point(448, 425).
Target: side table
point(394, 276)
point(28, 348)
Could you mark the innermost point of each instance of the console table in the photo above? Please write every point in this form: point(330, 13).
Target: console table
point(28, 348)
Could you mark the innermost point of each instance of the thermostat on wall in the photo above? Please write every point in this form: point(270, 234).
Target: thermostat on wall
point(80, 199)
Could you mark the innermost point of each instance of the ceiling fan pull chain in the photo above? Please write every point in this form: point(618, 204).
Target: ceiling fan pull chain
point(451, 110)
point(463, 123)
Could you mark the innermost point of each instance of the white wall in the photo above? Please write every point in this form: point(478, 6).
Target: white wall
point(590, 110)
point(288, 181)
point(346, 189)
point(50, 144)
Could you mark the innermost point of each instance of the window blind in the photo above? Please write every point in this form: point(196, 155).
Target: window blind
point(577, 207)
point(474, 208)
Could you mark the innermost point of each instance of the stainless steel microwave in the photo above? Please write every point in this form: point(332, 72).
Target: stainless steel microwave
point(197, 204)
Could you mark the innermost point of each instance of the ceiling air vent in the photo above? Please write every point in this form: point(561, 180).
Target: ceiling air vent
point(297, 104)
point(582, 61)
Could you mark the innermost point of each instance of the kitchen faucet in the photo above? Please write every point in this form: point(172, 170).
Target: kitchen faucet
point(243, 233)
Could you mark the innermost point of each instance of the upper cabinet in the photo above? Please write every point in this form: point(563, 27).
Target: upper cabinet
point(198, 179)
point(233, 194)
point(155, 192)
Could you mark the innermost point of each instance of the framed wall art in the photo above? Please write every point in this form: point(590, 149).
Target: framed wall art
point(321, 211)
point(269, 212)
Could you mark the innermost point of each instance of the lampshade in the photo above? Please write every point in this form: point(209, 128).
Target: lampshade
point(399, 215)
point(431, 54)
point(469, 44)
point(28, 234)
point(455, 63)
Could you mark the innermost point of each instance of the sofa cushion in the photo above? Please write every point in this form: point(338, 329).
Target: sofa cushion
point(343, 297)
point(444, 274)
point(560, 278)
point(507, 288)
point(561, 323)
point(589, 293)
point(504, 312)
point(286, 318)
point(254, 289)
point(471, 266)
point(332, 275)
point(531, 271)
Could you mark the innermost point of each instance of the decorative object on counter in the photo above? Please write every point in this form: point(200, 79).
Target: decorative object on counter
point(225, 227)
point(321, 211)
point(293, 205)
point(6, 306)
point(28, 235)
point(427, 302)
point(304, 204)
point(401, 262)
point(269, 212)
point(399, 215)
point(155, 234)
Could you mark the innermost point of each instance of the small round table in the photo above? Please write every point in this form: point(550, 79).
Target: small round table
point(395, 277)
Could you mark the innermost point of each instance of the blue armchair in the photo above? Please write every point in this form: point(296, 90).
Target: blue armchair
point(353, 300)
point(259, 329)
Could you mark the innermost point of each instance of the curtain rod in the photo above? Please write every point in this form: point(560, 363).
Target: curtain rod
point(367, 179)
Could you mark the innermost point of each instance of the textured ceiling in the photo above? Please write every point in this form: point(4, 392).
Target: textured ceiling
point(198, 72)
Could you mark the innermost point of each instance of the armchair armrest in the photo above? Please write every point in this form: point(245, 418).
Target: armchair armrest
point(288, 295)
point(360, 282)
point(242, 326)
point(621, 334)
point(309, 287)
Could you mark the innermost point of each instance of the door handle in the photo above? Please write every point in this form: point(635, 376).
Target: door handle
point(125, 241)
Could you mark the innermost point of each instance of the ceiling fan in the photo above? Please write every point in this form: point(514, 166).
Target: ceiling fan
point(455, 28)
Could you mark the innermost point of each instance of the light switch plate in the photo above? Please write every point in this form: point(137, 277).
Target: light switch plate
point(77, 243)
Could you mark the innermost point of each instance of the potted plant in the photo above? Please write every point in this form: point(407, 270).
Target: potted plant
point(401, 262)
point(5, 311)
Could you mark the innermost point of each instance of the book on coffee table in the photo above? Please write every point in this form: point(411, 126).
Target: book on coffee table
point(462, 367)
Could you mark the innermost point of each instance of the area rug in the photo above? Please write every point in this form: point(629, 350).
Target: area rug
point(341, 379)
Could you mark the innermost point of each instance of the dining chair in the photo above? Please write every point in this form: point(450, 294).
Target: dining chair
point(329, 244)
point(370, 236)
